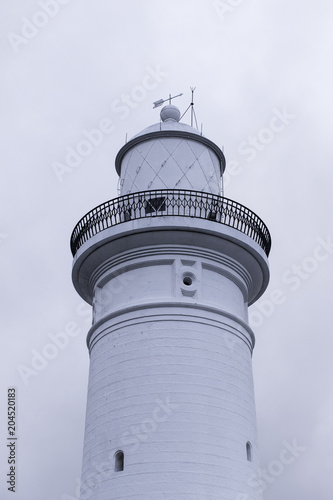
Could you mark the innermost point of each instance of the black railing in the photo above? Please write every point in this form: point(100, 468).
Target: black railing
point(174, 202)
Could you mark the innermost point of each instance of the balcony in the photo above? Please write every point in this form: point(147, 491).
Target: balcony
point(175, 203)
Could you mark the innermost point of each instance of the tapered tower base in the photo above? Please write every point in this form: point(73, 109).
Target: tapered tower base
point(170, 410)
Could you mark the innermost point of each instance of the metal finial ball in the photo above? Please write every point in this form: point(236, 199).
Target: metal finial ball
point(171, 113)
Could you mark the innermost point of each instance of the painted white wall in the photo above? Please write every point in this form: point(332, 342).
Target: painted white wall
point(141, 283)
point(173, 389)
point(158, 341)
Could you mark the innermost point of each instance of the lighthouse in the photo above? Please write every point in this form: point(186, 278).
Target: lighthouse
point(170, 268)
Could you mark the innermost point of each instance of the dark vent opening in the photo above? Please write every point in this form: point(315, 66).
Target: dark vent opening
point(119, 461)
point(249, 451)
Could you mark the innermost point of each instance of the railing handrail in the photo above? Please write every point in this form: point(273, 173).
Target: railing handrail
point(171, 202)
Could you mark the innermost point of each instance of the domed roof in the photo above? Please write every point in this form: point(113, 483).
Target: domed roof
point(170, 127)
point(170, 116)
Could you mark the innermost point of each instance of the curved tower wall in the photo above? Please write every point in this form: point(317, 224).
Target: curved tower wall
point(172, 163)
point(170, 406)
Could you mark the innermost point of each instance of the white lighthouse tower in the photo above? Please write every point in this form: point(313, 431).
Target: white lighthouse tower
point(170, 267)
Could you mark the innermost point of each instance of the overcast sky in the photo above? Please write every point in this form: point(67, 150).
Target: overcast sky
point(263, 76)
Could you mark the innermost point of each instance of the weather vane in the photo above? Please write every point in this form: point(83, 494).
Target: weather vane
point(193, 115)
point(161, 101)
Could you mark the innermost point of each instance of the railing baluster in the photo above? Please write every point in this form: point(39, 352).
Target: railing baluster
point(171, 202)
